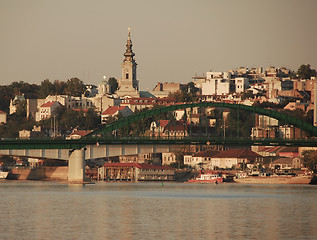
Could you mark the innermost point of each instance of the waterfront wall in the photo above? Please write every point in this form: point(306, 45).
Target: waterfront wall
point(40, 173)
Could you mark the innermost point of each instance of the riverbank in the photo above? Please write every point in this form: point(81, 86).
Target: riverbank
point(275, 180)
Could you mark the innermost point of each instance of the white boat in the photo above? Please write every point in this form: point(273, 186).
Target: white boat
point(207, 178)
point(3, 175)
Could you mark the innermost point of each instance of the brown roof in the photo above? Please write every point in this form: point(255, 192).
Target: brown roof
point(81, 132)
point(48, 104)
point(207, 153)
point(113, 110)
point(283, 161)
point(237, 153)
point(289, 149)
point(176, 126)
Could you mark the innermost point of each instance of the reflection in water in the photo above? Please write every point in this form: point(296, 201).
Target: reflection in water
point(41, 210)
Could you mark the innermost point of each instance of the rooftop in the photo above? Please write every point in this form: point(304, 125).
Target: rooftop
point(81, 132)
point(48, 104)
point(113, 110)
point(237, 153)
point(207, 153)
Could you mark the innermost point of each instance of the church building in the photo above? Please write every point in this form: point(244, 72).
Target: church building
point(128, 84)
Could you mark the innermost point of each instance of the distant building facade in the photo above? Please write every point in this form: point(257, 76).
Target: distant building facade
point(135, 172)
point(3, 117)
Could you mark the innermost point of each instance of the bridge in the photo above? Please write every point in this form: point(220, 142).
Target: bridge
point(282, 117)
point(106, 142)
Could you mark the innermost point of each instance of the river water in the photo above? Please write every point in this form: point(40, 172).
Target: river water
point(48, 210)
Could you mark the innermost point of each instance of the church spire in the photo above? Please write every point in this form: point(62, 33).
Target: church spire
point(129, 54)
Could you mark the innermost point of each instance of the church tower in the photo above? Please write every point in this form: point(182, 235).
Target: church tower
point(128, 84)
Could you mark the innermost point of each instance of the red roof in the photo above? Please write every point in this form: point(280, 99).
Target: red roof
point(163, 123)
point(237, 153)
point(1, 112)
point(48, 104)
point(179, 126)
point(137, 165)
point(81, 132)
point(113, 110)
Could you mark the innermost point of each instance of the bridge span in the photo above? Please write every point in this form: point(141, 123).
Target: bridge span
point(76, 156)
point(106, 141)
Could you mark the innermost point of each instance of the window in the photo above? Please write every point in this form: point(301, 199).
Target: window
point(127, 76)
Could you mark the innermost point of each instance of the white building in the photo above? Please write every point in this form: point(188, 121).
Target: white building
point(15, 102)
point(209, 88)
point(200, 159)
point(241, 84)
point(46, 110)
point(217, 83)
point(223, 87)
point(168, 158)
point(114, 111)
point(3, 117)
point(104, 88)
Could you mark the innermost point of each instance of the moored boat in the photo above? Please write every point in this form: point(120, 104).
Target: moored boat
point(207, 178)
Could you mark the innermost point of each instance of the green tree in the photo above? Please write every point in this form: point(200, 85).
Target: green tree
point(305, 72)
point(242, 121)
point(72, 119)
point(21, 110)
point(92, 119)
point(5, 97)
point(46, 88)
point(29, 91)
point(113, 84)
point(59, 87)
point(60, 112)
point(75, 87)
point(310, 159)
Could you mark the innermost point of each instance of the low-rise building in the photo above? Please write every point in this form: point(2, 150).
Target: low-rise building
point(232, 158)
point(164, 89)
point(274, 151)
point(168, 158)
point(135, 172)
point(3, 117)
point(46, 110)
point(296, 105)
point(146, 102)
point(34, 133)
point(115, 111)
point(286, 163)
point(166, 128)
point(200, 159)
point(241, 84)
point(77, 134)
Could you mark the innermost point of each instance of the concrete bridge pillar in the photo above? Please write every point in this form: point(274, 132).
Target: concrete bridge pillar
point(76, 166)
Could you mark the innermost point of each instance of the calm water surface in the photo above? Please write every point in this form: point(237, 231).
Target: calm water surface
point(47, 210)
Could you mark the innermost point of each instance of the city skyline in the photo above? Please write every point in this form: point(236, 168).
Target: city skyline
point(172, 40)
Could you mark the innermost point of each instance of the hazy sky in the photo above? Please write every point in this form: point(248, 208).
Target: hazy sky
point(172, 39)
